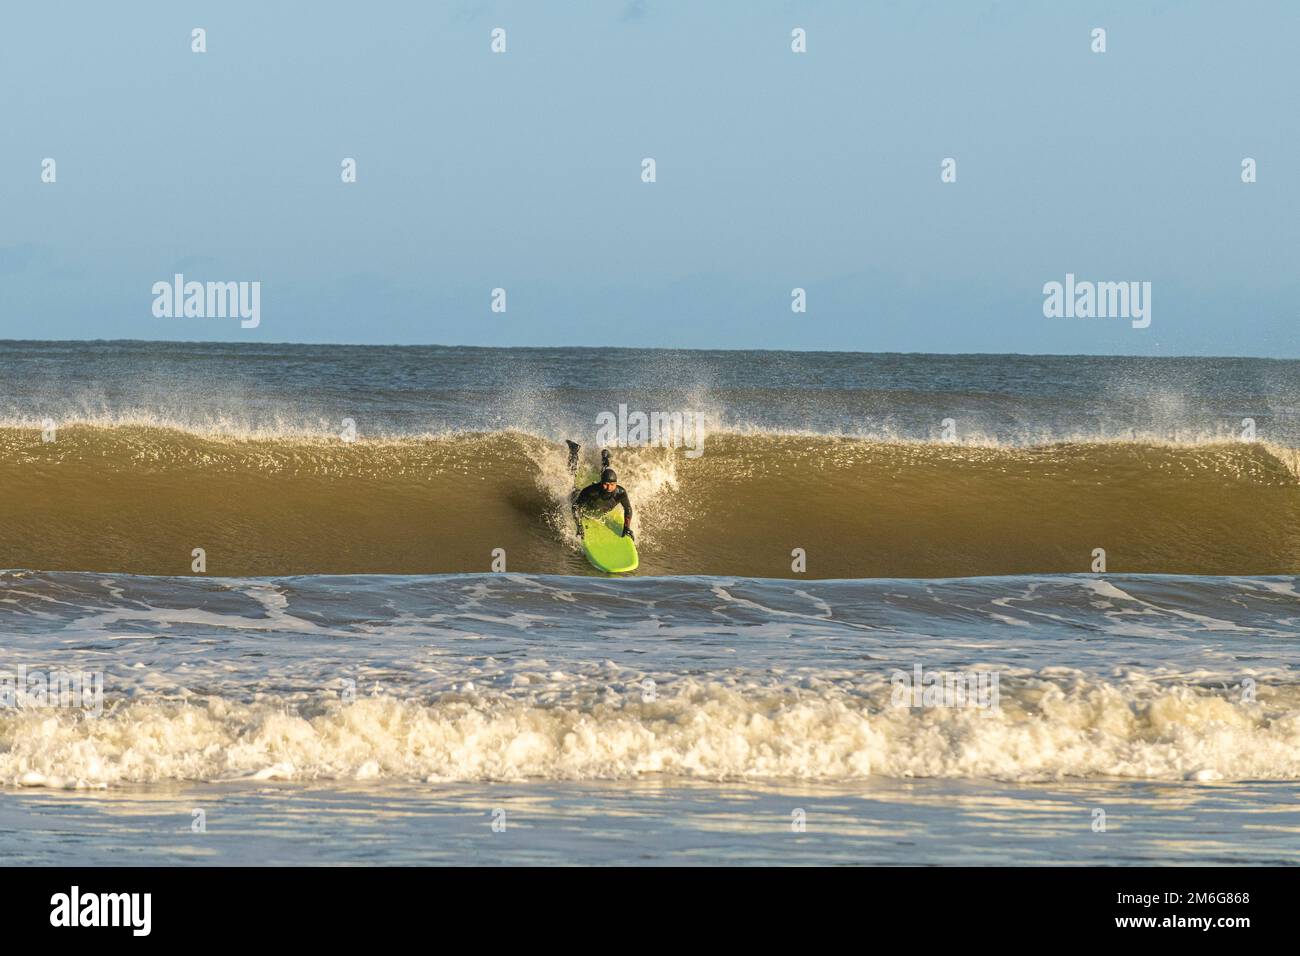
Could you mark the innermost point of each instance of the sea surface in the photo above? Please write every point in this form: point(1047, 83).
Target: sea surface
point(322, 604)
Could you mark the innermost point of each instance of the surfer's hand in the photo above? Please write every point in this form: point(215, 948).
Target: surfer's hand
point(627, 532)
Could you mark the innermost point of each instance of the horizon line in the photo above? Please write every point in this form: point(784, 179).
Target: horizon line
point(628, 348)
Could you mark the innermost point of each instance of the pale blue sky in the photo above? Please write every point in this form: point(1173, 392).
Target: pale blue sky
point(775, 170)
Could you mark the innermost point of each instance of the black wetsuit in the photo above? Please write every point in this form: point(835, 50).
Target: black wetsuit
point(594, 498)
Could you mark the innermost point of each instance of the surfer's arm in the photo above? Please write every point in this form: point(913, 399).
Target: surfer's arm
point(626, 502)
point(579, 499)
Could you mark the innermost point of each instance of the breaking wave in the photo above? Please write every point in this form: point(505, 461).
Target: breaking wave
point(141, 498)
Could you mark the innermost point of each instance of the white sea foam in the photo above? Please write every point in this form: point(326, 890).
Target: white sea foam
point(1043, 730)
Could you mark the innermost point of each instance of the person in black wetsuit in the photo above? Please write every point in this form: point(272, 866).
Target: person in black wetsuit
point(602, 496)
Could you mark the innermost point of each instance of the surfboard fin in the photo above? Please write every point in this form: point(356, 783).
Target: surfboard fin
point(604, 458)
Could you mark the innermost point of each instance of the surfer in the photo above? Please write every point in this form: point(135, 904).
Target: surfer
point(600, 496)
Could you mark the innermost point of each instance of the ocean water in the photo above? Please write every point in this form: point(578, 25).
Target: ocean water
point(350, 682)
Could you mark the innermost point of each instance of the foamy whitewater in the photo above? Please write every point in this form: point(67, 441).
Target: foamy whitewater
point(685, 714)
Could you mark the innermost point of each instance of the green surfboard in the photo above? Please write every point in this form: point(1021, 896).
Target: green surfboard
point(602, 535)
point(604, 544)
